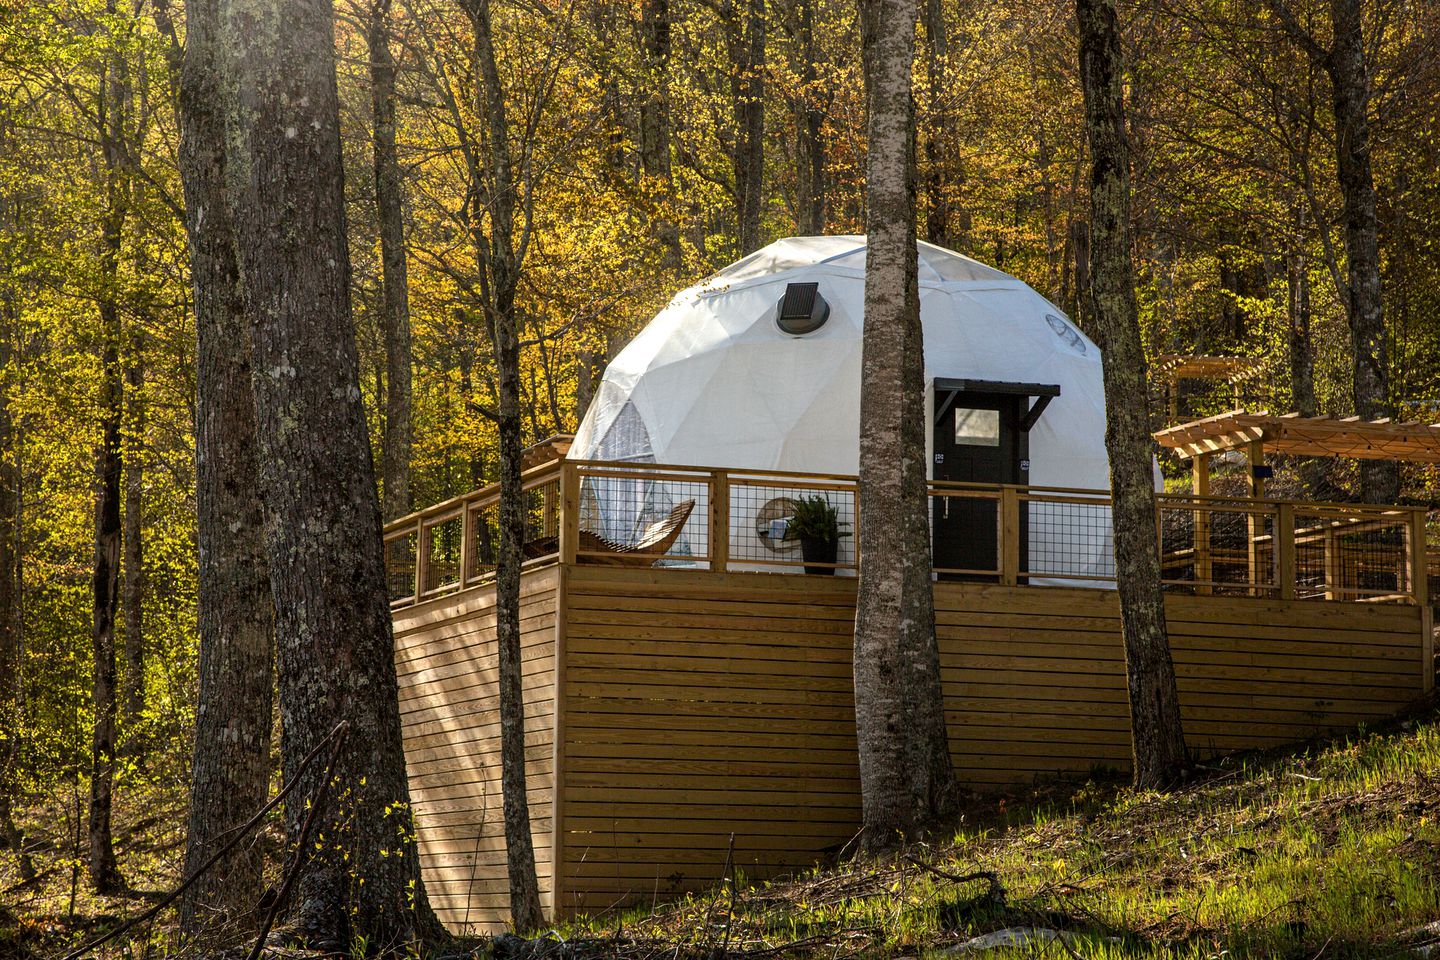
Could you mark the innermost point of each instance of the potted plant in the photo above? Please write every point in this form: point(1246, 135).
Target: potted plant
point(817, 525)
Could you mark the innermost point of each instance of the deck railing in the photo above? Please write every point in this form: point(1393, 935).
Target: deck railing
point(1011, 534)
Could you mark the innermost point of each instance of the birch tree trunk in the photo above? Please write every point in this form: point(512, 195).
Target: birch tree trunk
point(335, 652)
point(907, 783)
point(499, 268)
point(1157, 737)
point(230, 769)
point(1350, 82)
point(395, 282)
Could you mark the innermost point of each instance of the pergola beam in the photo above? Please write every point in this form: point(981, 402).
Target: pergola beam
point(1295, 435)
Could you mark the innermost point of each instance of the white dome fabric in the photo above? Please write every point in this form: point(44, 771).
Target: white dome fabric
point(713, 380)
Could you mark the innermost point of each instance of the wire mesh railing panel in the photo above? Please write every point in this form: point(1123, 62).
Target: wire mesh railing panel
point(1066, 538)
point(644, 514)
point(767, 523)
point(631, 512)
point(1212, 546)
point(442, 554)
point(966, 535)
point(1352, 555)
point(400, 566)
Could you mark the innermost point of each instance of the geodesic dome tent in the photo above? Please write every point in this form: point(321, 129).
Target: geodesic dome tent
point(716, 380)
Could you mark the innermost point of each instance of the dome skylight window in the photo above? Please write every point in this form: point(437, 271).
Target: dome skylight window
point(1065, 332)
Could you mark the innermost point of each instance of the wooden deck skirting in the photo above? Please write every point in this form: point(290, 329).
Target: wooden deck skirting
point(668, 708)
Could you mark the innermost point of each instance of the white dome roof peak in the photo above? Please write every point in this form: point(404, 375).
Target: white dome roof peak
point(847, 251)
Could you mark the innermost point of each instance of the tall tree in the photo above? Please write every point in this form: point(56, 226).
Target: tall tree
point(808, 106)
point(498, 263)
point(1350, 90)
point(105, 573)
point(907, 782)
point(394, 277)
point(133, 691)
point(11, 660)
point(744, 25)
point(1157, 736)
point(230, 770)
point(1344, 59)
point(655, 114)
point(335, 651)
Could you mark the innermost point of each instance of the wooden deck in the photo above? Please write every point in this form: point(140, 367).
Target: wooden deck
point(669, 708)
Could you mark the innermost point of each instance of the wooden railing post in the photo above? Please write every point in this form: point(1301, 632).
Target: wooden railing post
point(719, 520)
point(422, 557)
point(1285, 550)
point(467, 542)
point(1200, 468)
point(1420, 590)
point(1009, 535)
point(1334, 566)
point(1419, 563)
point(569, 512)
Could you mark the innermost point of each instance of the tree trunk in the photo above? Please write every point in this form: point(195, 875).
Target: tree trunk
point(133, 694)
point(747, 48)
point(1302, 355)
point(105, 575)
point(937, 134)
point(907, 783)
point(335, 652)
point(655, 116)
point(12, 700)
point(230, 772)
point(1350, 80)
point(389, 206)
point(1158, 739)
point(500, 271)
point(810, 123)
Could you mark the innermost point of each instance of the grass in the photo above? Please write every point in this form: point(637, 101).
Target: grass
point(1330, 850)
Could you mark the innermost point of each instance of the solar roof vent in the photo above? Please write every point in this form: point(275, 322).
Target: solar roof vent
point(802, 309)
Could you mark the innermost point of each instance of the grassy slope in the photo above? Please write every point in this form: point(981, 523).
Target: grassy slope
point(1333, 851)
point(1327, 851)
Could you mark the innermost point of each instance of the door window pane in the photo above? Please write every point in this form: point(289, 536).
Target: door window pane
point(977, 428)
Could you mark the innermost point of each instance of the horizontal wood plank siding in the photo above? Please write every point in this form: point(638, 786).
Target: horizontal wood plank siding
point(446, 661)
point(702, 704)
point(696, 704)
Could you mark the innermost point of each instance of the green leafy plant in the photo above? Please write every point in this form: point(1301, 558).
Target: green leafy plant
point(815, 519)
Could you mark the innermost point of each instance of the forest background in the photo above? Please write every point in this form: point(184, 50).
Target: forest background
point(654, 141)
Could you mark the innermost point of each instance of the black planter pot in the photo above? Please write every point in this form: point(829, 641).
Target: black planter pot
point(815, 550)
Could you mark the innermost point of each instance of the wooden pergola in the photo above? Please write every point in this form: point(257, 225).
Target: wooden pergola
point(1169, 369)
point(1255, 434)
point(1258, 433)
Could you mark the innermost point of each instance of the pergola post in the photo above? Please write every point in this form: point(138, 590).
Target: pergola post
point(1200, 487)
point(1254, 524)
